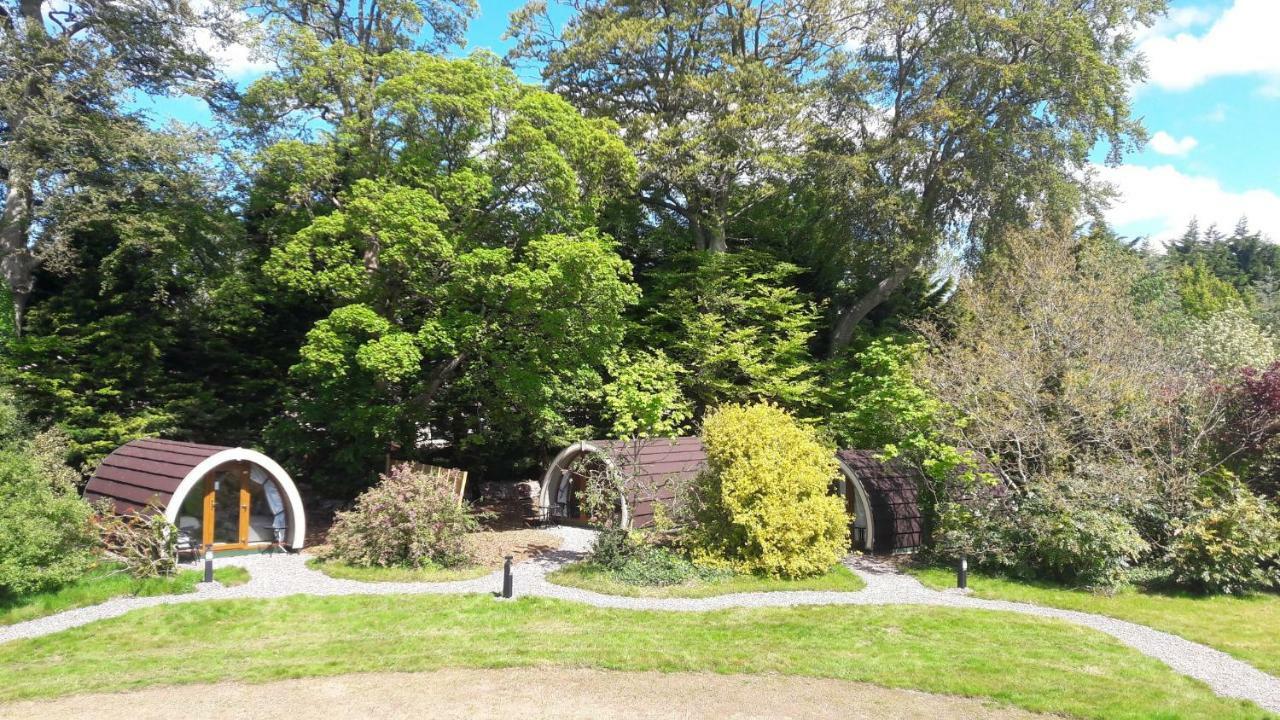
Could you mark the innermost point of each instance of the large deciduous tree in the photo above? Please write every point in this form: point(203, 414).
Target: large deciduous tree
point(66, 72)
point(711, 93)
point(950, 121)
point(914, 126)
point(472, 298)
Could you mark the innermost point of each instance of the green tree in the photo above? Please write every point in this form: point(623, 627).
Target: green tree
point(737, 326)
point(948, 120)
point(148, 322)
point(66, 71)
point(711, 93)
point(472, 298)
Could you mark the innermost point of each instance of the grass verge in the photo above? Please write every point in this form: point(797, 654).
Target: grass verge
point(104, 583)
point(1245, 627)
point(1037, 664)
point(589, 576)
point(343, 571)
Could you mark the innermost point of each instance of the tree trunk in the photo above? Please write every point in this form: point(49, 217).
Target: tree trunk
point(850, 316)
point(17, 262)
point(716, 241)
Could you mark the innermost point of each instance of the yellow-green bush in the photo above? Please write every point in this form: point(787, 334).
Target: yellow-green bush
point(763, 502)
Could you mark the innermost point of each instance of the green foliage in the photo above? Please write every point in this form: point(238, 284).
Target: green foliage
point(1074, 542)
point(1229, 544)
point(644, 398)
point(46, 535)
point(152, 319)
point(470, 295)
point(1201, 293)
point(630, 559)
point(738, 327)
point(763, 502)
point(409, 519)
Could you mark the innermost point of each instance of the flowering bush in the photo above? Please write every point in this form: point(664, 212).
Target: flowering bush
point(1230, 544)
point(410, 518)
point(763, 503)
point(1229, 340)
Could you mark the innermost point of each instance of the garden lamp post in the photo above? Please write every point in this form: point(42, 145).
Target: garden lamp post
point(506, 578)
point(208, 563)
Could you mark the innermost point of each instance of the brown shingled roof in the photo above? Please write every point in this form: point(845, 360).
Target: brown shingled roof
point(145, 470)
point(660, 463)
point(893, 491)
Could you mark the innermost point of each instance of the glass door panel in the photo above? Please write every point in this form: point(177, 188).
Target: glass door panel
point(226, 507)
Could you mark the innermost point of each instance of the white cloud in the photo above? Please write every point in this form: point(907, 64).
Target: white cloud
point(238, 61)
point(1166, 144)
point(1164, 198)
point(1240, 41)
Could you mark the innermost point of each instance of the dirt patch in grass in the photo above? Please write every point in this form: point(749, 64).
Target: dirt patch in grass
point(567, 694)
point(489, 548)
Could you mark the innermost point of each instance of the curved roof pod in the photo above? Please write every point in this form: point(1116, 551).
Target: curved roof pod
point(890, 492)
point(660, 465)
point(167, 471)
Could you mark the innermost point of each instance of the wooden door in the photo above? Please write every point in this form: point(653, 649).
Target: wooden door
point(226, 507)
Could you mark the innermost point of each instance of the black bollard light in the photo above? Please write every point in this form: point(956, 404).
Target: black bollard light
point(208, 563)
point(962, 573)
point(506, 578)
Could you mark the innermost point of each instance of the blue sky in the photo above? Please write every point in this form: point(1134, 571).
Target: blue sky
point(1211, 105)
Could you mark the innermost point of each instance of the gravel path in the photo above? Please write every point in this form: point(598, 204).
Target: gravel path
point(281, 575)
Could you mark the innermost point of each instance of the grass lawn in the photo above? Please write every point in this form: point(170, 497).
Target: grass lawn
point(589, 576)
point(1246, 627)
point(105, 583)
point(1033, 663)
point(343, 571)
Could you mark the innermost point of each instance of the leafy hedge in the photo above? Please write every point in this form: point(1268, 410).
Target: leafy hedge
point(46, 534)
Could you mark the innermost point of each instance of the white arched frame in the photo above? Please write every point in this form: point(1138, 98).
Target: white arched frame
point(851, 480)
point(297, 519)
point(555, 471)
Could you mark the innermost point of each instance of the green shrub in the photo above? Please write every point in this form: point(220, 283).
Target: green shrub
point(613, 547)
point(763, 504)
point(1230, 544)
point(1075, 543)
point(409, 519)
point(46, 535)
point(658, 566)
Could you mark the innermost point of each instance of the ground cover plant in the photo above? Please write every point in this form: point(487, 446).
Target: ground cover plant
point(1247, 627)
point(105, 582)
point(1033, 663)
point(597, 578)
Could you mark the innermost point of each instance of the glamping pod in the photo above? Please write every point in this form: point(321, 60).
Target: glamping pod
point(880, 497)
point(660, 466)
point(883, 500)
point(230, 498)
